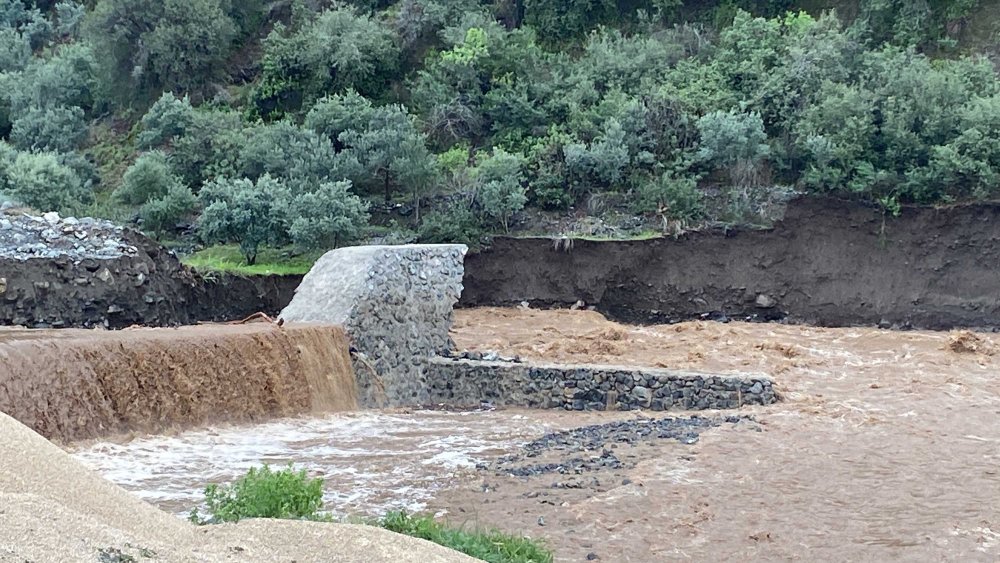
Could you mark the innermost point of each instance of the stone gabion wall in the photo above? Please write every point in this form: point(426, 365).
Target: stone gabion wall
point(396, 303)
point(589, 387)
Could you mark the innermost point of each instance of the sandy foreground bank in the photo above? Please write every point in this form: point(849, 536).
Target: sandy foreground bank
point(52, 508)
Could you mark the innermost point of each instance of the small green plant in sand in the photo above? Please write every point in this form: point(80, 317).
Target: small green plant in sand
point(266, 493)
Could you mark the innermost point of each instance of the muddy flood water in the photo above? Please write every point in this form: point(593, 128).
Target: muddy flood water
point(886, 447)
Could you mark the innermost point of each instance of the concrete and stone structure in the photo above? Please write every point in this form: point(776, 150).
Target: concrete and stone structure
point(396, 303)
point(460, 382)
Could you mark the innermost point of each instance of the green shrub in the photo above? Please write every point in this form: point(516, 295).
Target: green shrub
point(491, 546)
point(456, 225)
point(501, 191)
point(150, 177)
point(60, 129)
point(42, 181)
point(263, 493)
point(297, 61)
point(148, 46)
point(164, 213)
point(673, 197)
point(168, 118)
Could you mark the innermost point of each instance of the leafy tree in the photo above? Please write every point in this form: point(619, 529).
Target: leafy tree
point(333, 115)
point(66, 79)
point(392, 153)
point(148, 46)
point(301, 158)
point(29, 22)
point(164, 213)
point(327, 217)
point(501, 191)
point(69, 17)
point(244, 211)
point(41, 181)
point(329, 53)
point(210, 146)
point(15, 50)
point(561, 20)
point(162, 198)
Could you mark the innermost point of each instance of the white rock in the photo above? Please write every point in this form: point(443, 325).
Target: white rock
point(51, 217)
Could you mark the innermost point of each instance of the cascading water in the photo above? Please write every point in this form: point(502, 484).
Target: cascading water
point(79, 384)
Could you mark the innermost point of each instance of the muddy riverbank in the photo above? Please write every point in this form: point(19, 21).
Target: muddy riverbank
point(828, 262)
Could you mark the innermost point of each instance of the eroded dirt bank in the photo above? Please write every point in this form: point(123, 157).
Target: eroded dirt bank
point(828, 262)
point(885, 447)
point(74, 384)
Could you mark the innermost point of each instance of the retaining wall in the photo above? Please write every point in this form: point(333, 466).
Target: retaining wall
point(589, 387)
point(396, 303)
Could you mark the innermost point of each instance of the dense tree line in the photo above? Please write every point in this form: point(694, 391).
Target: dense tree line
point(289, 122)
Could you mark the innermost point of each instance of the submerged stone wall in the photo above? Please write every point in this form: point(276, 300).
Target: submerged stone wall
point(589, 387)
point(396, 303)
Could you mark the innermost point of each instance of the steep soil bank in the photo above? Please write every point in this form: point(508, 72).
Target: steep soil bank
point(828, 262)
point(76, 384)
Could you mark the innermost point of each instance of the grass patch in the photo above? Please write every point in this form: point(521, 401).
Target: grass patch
point(492, 546)
point(287, 493)
point(270, 261)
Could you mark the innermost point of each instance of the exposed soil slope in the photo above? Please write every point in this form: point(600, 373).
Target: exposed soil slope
point(828, 262)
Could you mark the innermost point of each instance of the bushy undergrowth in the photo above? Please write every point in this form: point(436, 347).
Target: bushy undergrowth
point(263, 493)
point(289, 493)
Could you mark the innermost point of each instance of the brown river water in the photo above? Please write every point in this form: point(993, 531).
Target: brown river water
point(886, 447)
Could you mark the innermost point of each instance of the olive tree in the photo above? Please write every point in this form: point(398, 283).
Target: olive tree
point(327, 217)
point(247, 212)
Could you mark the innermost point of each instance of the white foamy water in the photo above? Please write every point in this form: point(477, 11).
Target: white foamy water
point(372, 462)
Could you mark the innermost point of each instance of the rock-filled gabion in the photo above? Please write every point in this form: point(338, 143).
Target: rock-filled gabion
point(396, 303)
point(590, 387)
point(23, 237)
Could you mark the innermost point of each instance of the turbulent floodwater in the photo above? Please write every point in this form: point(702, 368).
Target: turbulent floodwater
point(372, 462)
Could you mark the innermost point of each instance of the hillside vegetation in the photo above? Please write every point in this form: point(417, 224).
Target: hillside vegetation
point(311, 124)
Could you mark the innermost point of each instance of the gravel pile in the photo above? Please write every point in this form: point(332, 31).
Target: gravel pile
point(593, 448)
point(26, 236)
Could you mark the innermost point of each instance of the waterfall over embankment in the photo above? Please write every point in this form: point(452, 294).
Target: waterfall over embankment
point(77, 384)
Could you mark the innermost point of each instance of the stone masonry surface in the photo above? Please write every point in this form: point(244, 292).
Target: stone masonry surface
point(396, 303)
point(589, 387)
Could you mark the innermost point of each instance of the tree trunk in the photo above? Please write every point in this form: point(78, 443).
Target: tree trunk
point(388, 192)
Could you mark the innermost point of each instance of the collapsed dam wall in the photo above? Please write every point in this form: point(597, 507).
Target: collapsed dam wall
point(76, 384)
point(828, 262)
